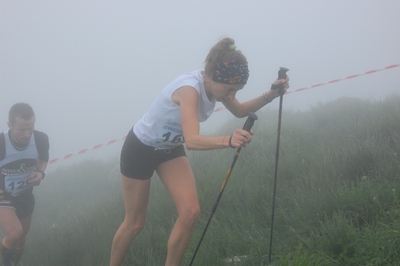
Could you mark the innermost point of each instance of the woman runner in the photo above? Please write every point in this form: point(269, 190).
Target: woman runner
point(155, 143)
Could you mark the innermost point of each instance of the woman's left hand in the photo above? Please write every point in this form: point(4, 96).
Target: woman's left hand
point(275, 92)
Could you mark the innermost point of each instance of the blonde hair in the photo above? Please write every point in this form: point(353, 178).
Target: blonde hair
point(223, 51)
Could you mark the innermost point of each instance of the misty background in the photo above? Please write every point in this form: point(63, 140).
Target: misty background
point(90, 69)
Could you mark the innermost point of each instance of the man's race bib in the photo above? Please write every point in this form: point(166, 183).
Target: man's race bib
point(16, 174)
point(15, 185)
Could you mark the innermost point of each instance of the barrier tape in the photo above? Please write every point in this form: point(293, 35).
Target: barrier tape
point(348, 77)
point(98, 146)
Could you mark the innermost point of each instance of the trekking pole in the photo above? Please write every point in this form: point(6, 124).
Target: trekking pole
point(247, 126)
point(281, 75)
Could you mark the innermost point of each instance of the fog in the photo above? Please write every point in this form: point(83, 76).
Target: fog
point(90, 69)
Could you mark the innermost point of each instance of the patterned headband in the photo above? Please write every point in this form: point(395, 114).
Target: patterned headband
point(231, 72)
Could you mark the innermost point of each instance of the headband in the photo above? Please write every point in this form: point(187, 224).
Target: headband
point(230, 72)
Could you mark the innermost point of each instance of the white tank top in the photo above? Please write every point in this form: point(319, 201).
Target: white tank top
point(17, 166)
point(161, 126)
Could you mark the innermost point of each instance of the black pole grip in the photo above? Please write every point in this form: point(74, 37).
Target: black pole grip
point(250, 121)
point(281, 75)
point(282, 72)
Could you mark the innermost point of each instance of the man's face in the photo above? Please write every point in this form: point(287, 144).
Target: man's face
point(21, 130)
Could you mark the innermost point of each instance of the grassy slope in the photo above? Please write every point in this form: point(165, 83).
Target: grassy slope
point(337, 197)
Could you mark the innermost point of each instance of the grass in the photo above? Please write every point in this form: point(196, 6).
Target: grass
point(337, 203)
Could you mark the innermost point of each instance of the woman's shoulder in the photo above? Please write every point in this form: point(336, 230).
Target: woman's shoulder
point(195, 76)
point(193, 79)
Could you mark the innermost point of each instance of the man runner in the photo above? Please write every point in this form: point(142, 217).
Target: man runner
point(24, 153)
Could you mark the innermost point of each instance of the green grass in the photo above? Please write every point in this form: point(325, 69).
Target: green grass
point(337, 203)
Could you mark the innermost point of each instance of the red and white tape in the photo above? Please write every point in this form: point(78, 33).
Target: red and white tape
point(98, 146)
point(341, 79)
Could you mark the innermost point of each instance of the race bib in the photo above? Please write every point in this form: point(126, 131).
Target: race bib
point(15, 185)
point(16, 175)
point(170, 136)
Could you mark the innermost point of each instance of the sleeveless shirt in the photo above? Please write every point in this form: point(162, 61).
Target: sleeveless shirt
point(161, 126)
point(16, 166)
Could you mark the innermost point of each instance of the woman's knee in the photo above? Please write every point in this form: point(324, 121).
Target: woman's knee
point(190, 214)
point(132, 227)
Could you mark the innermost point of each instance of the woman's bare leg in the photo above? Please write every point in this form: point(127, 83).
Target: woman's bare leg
point(178, 178)
point(136, 198)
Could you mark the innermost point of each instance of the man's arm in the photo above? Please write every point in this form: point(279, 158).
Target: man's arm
point(42, 145)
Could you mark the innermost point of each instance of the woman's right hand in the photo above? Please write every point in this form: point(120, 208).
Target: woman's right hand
point(240, 138)
point(1, 194)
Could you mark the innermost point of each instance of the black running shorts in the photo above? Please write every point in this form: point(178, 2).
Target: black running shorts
point(23, 204)
point(139, 161)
